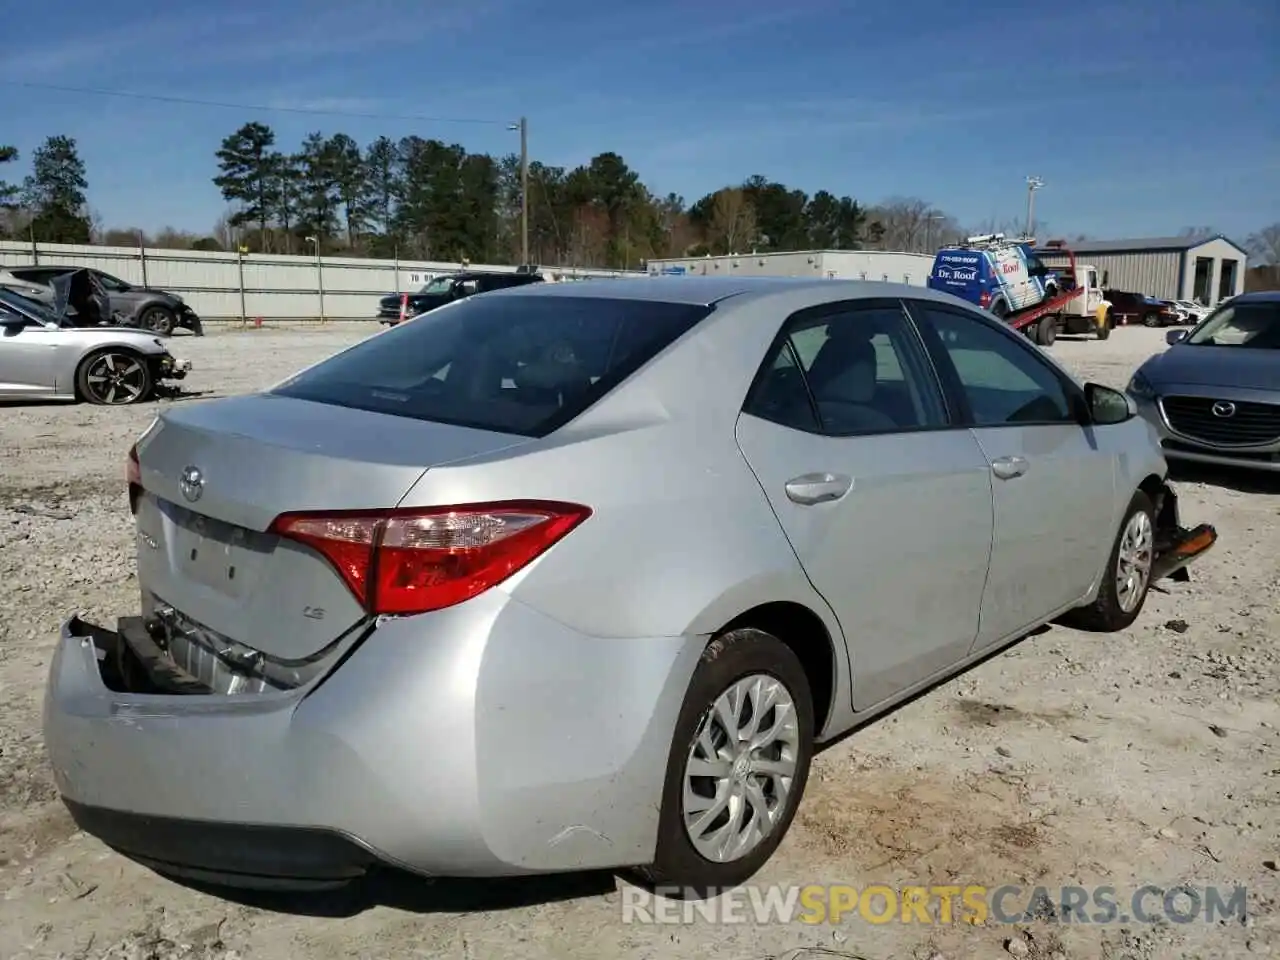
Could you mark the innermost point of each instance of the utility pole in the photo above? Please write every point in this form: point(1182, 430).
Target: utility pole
point(1033, 184)
point(523, 127)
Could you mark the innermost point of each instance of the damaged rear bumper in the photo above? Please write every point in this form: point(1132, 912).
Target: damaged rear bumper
point(481, 740)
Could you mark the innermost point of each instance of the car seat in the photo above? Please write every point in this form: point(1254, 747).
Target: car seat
point(843, 381)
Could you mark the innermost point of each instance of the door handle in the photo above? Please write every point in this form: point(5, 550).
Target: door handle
point(1007, 468)
point(813, 488)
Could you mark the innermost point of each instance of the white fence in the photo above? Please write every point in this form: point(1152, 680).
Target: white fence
point(226, 286)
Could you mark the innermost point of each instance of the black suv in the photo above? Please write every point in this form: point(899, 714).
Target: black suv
point(449, 287)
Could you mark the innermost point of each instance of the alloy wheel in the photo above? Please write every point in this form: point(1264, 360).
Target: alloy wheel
point(1133, 562)
point(741, 768)
point(115, 379)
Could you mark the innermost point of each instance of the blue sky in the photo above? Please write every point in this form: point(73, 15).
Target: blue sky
point(1142, 117)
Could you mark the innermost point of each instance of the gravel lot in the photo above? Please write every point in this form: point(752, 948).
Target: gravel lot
point(1149, 757)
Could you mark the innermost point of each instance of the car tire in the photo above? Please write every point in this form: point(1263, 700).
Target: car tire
point(1151, 320)
point(1114, 609)
point(1104, 329)
point(999, 309)
point(743, 659)
point(124, 367)
point(158, 320)
point(1046, 331)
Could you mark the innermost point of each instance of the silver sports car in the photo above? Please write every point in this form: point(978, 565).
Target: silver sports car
point(42, 359)
point(1214, 395)
point(577, 575)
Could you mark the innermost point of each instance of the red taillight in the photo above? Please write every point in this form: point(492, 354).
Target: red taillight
point(984, 300)
point(413, 561)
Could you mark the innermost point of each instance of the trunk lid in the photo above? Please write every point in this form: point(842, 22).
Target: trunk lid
point(204, 549)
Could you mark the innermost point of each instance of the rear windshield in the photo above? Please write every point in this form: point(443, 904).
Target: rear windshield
point(512, 364)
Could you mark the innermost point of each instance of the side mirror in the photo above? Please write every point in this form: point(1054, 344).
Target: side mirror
point(12, 322)
point(1175, 336)
point(1108, 406)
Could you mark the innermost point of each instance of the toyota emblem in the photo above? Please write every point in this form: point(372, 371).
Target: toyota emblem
point(1224, 408)
point(192, 484)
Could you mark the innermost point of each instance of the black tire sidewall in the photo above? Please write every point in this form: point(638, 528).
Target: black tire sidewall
point(82, 377)
point(727, 659)
point(1105, 613)
point(1047, 332)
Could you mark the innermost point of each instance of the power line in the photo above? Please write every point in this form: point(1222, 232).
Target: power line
point(263, 108)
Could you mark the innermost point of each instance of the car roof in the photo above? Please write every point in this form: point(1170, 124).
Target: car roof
point(1257, 296)
point(705, 291)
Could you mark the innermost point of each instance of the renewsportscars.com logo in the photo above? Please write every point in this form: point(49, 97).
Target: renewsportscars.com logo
point(937, 904)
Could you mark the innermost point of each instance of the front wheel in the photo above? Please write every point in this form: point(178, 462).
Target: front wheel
point(1127, 578)
point(1104, 328)
point(114, 378)
point(737, 767)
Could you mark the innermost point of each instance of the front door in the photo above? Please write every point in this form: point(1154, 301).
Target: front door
point(1053, 484)
point(27, 356)
point(887, 507)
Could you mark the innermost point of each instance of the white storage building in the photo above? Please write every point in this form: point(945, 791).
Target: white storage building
point(908, 268)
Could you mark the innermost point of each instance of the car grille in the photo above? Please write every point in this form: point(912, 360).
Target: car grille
point(1252, 424)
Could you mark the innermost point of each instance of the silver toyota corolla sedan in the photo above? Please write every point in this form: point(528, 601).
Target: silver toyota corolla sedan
point(1214, 395)
point(577, 575)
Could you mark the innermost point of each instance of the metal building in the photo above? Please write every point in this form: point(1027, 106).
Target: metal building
point(1208, 268)
point(908, 268)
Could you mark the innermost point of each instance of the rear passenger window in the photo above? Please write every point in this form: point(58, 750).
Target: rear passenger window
point(859, 371)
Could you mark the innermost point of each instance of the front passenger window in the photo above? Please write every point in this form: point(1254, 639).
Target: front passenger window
point(1004, 382)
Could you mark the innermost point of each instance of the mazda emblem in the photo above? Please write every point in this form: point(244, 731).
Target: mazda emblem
point(192, 484)
point(1224, 408)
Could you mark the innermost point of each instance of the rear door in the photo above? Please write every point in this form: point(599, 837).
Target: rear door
point(1054, 484)
point(886, 504)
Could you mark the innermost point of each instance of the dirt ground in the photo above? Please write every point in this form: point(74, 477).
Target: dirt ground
point(1148, 757)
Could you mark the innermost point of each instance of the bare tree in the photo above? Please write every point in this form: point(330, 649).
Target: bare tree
point(911, 225)
point(733, 221)
point(1265, 245)
point(224, 233)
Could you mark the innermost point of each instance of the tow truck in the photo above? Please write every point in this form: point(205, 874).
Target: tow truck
point(1073, 306)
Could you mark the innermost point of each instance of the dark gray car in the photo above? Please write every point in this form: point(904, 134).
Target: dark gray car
point(1214, 395)
point(157, 311)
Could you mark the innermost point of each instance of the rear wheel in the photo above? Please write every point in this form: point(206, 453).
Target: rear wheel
point(113, 378)
point(1151, 320)
point(158, 320)
point(999, 309)
point(1127, 578)
point(1104, 328)
point(737, 767)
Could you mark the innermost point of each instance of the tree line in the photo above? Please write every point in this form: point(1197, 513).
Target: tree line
point(426, 199)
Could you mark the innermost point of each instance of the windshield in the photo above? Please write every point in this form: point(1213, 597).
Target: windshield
point(30, 308)
point(518, 365)
point(438, 285)
point(1240, 325)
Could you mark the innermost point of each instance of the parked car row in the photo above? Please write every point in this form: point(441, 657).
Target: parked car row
point(447, 288)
